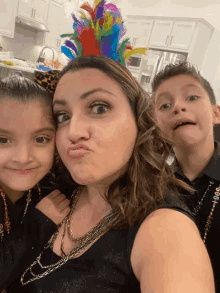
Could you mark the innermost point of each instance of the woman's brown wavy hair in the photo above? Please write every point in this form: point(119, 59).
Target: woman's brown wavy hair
point(143, 186)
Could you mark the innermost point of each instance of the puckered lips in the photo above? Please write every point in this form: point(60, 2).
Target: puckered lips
point(183, 122)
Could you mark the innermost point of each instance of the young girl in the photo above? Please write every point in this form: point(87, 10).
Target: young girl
point(27, 133)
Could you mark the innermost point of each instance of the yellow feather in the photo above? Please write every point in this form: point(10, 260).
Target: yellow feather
point(128, 53)
point(97, 2)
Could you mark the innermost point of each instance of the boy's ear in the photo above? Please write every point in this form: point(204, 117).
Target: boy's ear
point(216, 112)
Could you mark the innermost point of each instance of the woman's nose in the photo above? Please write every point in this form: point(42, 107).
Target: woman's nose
point(78, 130)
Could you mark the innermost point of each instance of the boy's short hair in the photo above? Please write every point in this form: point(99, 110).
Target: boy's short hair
point(184, 68)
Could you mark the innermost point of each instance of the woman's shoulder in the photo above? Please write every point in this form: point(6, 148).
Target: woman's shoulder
point(173, 202)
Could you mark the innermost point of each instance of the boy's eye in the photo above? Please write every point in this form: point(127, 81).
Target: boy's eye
point(99, 108)
point(42, 139)
point(165, 106)
point(192, 98)
point(4, 140)
point(62, 117)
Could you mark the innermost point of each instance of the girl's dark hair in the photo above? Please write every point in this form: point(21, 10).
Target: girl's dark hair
point(143, 186)
point(184, 68)
point(25, 90)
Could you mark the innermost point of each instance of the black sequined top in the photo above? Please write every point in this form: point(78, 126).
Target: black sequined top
point(104, 267)
point(25, 241)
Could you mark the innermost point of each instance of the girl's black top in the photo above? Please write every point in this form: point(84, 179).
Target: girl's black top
point(104, 267)
point(25, 241)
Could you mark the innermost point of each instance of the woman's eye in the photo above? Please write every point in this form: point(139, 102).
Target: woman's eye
point(4, 140)
point(42, 139)
point(62, 117)
point(165, 106)
point(192, 98)
point(99, 108)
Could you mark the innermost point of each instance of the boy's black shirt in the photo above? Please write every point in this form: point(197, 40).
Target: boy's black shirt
point(200, 184)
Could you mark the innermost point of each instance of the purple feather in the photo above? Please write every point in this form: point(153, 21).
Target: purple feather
point(71, 46)
point(100, 10)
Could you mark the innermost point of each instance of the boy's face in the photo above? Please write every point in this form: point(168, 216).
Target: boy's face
point(184, 112)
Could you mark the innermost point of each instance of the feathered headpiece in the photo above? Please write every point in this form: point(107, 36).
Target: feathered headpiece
point(99, 34)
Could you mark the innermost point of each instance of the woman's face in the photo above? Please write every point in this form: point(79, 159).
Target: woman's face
point(26, 144)
point(96, 127)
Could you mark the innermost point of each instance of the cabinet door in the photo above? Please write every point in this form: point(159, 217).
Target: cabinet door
point(143, 33)
point(40, 10)
point(160, 36)
point(181, 35)
point(25, 8)
point(8, 13)
point(59, 1)
point(131, 26)
point(54, 20)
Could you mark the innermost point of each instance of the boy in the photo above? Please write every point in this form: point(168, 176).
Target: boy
point(186, 110)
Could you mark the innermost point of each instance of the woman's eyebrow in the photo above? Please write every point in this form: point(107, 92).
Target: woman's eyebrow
point(83, 96)
point(86, 94)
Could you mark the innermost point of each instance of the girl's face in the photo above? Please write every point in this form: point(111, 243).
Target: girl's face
point(26, 144)
point(96, 127)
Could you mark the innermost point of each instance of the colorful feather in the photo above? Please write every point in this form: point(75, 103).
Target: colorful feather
point(67, 52)
point(89, 44)
point(123, 45)
point(100, 10)
point(142, 51)
point(99, 33)
point(70, 45)
point(87, 7)
point(112, 7)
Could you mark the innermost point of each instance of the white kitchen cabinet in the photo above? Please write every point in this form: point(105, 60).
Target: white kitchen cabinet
point(54, 20)
point(25, 8)
point(34, 9)
point(161, 32)
point(40, 8)
point(139, 31)
point(181, 35)
point(8, 11)
point(59, 1)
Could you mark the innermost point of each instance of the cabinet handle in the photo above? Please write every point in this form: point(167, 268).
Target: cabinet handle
point(171, 40)
point(32, 12)
point(134, 41)
point(167, 41)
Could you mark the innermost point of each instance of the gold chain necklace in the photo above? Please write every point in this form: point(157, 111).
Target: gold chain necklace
point(210, 216)
point(7, 218)
point(82, 243)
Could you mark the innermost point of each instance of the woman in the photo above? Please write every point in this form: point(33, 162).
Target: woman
point(115, 239)
point(27, 136)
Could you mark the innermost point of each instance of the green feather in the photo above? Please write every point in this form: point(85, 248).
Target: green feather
point(123, 45)
point(78, 45)
point(66, 35)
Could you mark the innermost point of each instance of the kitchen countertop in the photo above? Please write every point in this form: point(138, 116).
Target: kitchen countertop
point(16, 67)
point(22, 68)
